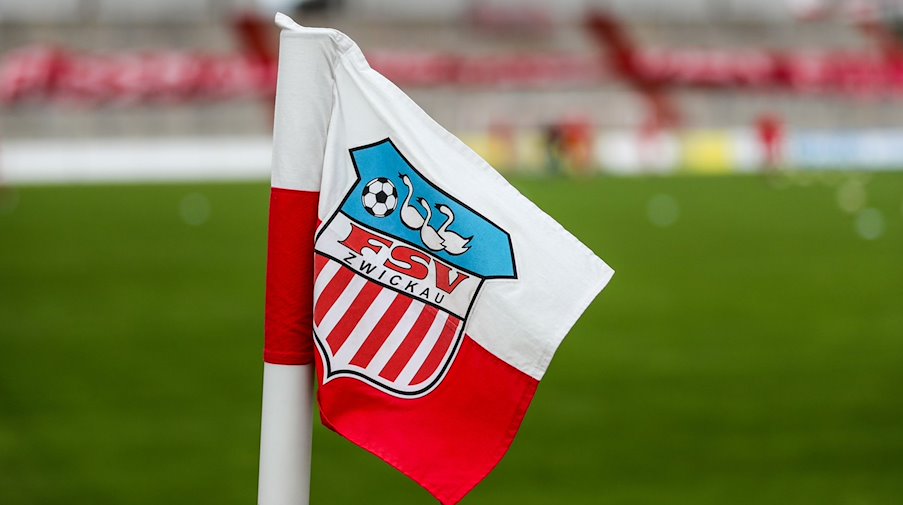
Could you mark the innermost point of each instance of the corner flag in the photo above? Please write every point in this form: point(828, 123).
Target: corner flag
point(429, 293)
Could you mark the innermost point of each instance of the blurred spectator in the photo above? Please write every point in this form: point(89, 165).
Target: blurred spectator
point(770, 129)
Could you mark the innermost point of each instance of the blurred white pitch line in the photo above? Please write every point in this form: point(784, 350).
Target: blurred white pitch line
point(131, 160)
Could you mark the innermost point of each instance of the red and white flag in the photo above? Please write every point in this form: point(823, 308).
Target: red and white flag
point(430, 294)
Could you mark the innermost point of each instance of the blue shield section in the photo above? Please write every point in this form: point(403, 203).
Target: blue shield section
point(488, 251)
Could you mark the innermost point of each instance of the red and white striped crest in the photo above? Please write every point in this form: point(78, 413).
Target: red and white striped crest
point(398, 268)
point(379, 335)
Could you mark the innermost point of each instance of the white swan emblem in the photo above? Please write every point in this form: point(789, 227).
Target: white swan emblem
point(454, 244)
point(410, 216)
point(428, 235)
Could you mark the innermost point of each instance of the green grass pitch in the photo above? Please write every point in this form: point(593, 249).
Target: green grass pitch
point(749, 353)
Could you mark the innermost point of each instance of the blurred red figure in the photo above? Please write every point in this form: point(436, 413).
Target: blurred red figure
point(770, 130)
point(568, 146)
point(576, 143)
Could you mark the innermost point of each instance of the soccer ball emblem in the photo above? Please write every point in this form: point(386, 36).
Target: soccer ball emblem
point(379, 197)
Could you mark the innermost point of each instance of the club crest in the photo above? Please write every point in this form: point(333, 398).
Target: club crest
point(398, 268)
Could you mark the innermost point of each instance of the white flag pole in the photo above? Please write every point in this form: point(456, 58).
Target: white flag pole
point(285, 435)
point(304, 100)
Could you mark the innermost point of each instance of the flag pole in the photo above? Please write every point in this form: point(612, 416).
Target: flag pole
point(304, 101)
point(285, 435)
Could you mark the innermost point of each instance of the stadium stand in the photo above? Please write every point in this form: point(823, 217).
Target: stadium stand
point(695, 66)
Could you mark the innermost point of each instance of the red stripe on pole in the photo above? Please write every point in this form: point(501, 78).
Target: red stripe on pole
point(434, 359)
point(352, 316)
point(404, 352)
point(290, 280)
point(381, 332)
point(331, 293)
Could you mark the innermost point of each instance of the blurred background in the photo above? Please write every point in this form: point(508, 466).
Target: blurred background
point(738, 163)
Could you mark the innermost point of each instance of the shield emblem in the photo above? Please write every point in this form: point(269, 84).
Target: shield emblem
point(398, 268)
